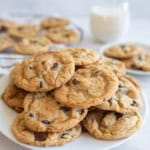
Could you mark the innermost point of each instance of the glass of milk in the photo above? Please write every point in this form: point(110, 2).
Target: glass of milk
point(109, 22)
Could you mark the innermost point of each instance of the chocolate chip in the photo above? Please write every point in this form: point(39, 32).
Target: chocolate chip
point(41, 84)
point(45, 122)
point(43, 62)
point(77, 67)
point(80, 111)
point(3, 29)
point(30, 67)
point(64, 109)
point(65, 135)
point(134, 66)
point(140, 57)
point(110, 101)
point(19, 109)
point(66, 35)
point(122, 46)
point(40, 136)
point(75, 81)
point(31, 115)
point(125, 50)
point(17, 40)
point(122, 86)
point(140, 68)
point(20, 28)
point(97, 73)
point(118, 115)
point(55, 31)
point(55, 65)
point(133, 103)
point(58, 103)
point(33, 41)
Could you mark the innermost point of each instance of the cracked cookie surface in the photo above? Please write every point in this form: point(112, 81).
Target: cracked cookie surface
point(27, 136)
point(123, 51)
point(44, 113)
point(87, 87)
point(43, 72)
point(82, 56)
point(109, 125)
point(126, 99)
point(113, 65)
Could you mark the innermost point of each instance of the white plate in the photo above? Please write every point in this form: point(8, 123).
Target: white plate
point(84, 141)
point(137, 72)
point(129, 71)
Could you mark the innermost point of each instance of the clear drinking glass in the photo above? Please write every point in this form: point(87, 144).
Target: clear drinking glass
point(109, 22)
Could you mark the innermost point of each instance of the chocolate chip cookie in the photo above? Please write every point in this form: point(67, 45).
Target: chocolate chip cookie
point(108, 125)
point(43, 72)
point(27, 136)
point(14, 97)
point(140, 62)
point(61, 35)
point(113, 65)
point(126, 99)
point(52, 22)
point(87, 87)
point(82, 56)
point(5, 25)
point(43, 113)
point(33, 45)
point(123, 51)
point(24, 31)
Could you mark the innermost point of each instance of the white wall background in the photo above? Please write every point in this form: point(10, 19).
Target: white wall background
point(139, 8)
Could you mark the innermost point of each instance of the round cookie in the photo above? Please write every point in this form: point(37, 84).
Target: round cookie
point(107, 125)
point(125, 100)
point(43, 72)
point(32, 45)
point(14, 97)
point(27, 136)
point(5, 42)
point(88, 87)
point(5, 25)
point(113, 65)
point(44, 113)
point(82, 56)
point(139, 62)
point(24, 31)
point(61, 35)
point(123, 51)
point(53, 22)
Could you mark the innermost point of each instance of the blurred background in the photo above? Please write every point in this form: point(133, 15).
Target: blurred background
point(67, 8)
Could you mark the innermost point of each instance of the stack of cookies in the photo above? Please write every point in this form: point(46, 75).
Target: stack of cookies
point(134, 56)
point(34, 38)
point(57, 92)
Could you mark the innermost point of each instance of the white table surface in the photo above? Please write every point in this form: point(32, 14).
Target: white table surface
point(139, 32)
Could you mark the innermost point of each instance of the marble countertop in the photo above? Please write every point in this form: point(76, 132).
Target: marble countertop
point(139, 32)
